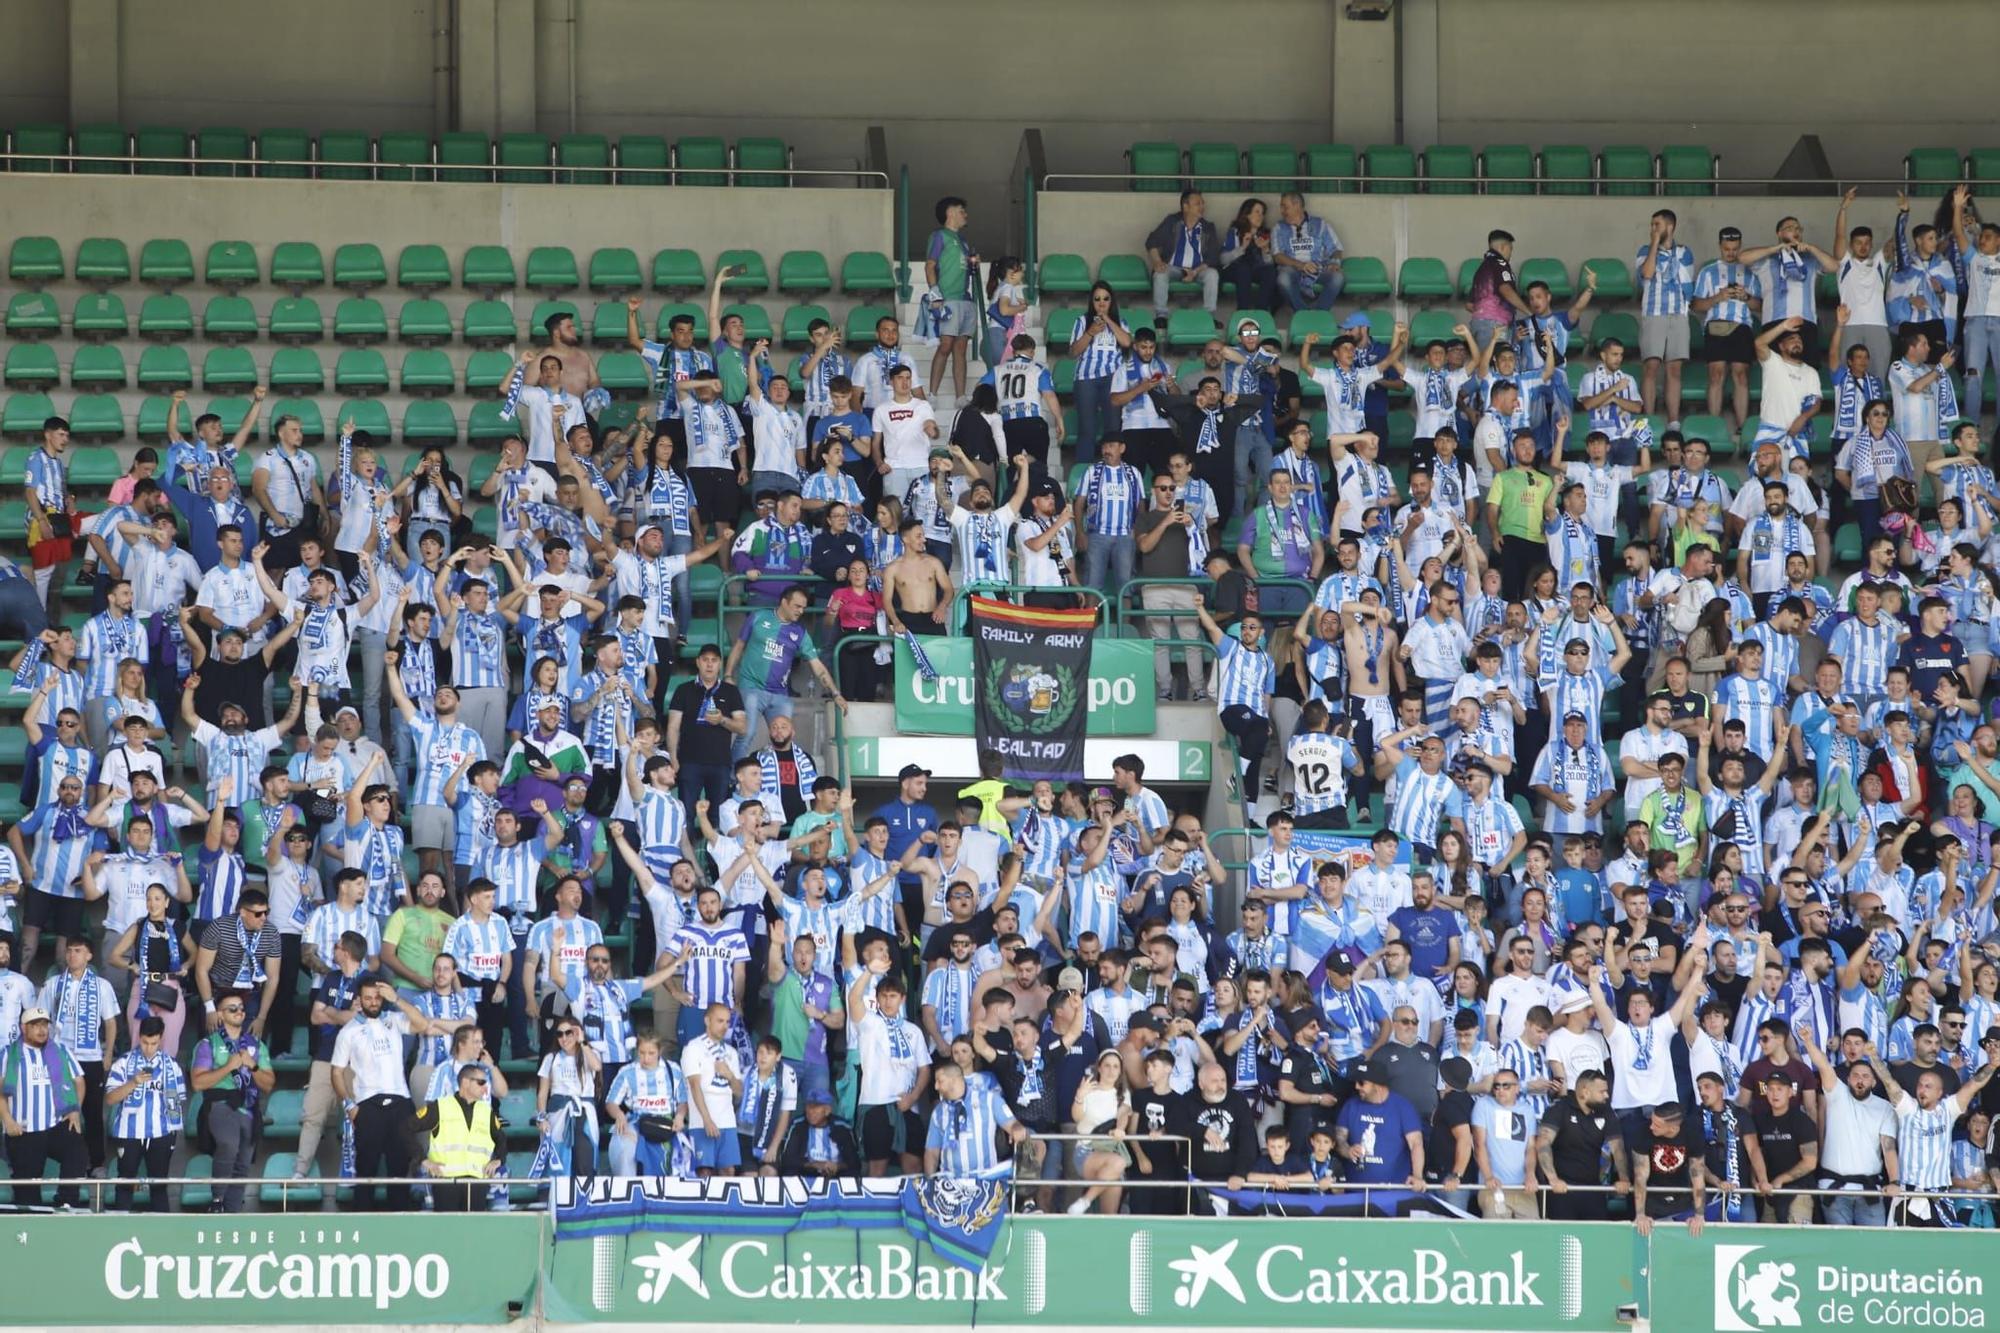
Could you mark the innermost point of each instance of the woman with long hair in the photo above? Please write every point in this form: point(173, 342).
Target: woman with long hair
point(544, 677)
point(1006, 307)
point(566, 1105)
point(979, 433)
point(1103, 1106)
point(1246, 258)
point(1100, 342)
point(1968, 586)
point(1537, 928)
point(1916, 1004)
point(1872, 456)
point(433, 500)
point(1708, 646)
point(159, 954)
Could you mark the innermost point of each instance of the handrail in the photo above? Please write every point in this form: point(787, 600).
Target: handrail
point(1031, 240)
point(959, 598)
point(864, 177)
point(840, 717)
point(1597, 185)
point(903, 234)
point(1126, 611)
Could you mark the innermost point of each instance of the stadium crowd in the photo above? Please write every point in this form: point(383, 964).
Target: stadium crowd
point(1769, 984)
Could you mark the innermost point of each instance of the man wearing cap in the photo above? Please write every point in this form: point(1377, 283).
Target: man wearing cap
point(41, 1110)
point(818, 1145)
point(1379, 1133)
point(1782, 1142)
point(1727, 297)
point(1573, 777)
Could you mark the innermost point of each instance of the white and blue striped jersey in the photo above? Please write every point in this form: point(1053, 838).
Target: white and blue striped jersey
point(709, 956)
point(1923, 1142)
point(480, 947)
point(1781, 653)
point(1143, 412)
point(330, 921)
point(377, 850)
point(1716, 275)
point(62, 843)
point(1754, 701)
point(33, 1103)
point(605, 1010)
point(661, 1090)
point(1747, 830)
point(1320, 764)
point(1112, 497)
point(1866, 653)
point(458, 1006)
point(1101, 355)
point(1918, 414)
point(1418, 809)
point(1788, 276)
point(831, 486)
point(563, 968)
point(671, 365)
point(1672, 283)
point(223, 878)
point(1282, 868)
point(1116, 1006)
point(1019, 382)
point(813, 380)
point(478, 651)
point(948, 990)
point(1608, 416)
point(154, 1110)
point(1570, 692)
point(514, 871)
point(1346, 396)
point(662, 830)
point(1573, 551)
point(1245, 677)
point(240, 757)
point(48, 478)
point(108, 639)
point(1529, 1063)
point(444, 1079)
point(965, 1132)
point(440, 747)
point(1093, 902)
point(104, 526)
point(822, 922)
point(472, 823)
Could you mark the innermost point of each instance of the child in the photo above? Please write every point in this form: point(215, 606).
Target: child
point(1006, 307)
point(144, 464)
point(1577, 895)
point(770, 1100)
point(749, 786)
point(1692, 530)
point(1321, 1164)
point(1475, 937)
point(1278, 1165)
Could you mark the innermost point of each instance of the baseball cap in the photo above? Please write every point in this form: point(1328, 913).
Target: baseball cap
point(909, 771)
point(1730, 234)
point(1248, 323)
point(1357, 320)
point(1367, 1072)
point(230, 632)
point(1456, 1071)
point(940, 451)
point(1146, 1021)
point(577, 780)
point(1340, 963)
point(1069, 978)
point(344, 711)
point(34, 1016)
point(1574, 716)
point(1298, 1018)
point(1574, 1002)
point(1781, 1076)
point(650, 527)
point(818, 1098)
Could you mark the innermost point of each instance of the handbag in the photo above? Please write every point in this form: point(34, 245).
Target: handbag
point(655, 1128)
point(1899, 495)
point(321, 808)
point(311, 522)
point(159, 995)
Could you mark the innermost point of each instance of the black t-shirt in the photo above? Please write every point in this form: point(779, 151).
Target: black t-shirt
point(1155, 1111)
point(980, 927)
point(1412, 1074)
point(704, 740)
point(1454, 1109)
point(1670, 1160)
point(1907, 1072)
point(336, 991)
point(1578, 1147)
point(1224, 1135)
point(1783, 1138)
point(239, 682)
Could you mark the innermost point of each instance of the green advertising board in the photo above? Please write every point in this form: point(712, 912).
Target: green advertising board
point(1121, 688)
point(1114, 1272)
point(355, 1268)
point(1822, 1279)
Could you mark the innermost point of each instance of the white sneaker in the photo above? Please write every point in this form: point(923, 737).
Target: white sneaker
point(1079, 1208)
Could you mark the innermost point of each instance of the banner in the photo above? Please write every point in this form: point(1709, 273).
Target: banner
point(351, 1268)
point(1747, 1279)
point(1030, 670)
point(1120, 683)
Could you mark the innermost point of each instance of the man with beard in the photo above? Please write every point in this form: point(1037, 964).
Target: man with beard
point(1221, 1130)
point(441, 745)
point(1207, 421)
point(368, 1075)
point(1569, 1150)
point(979, 531)
point(565, 345)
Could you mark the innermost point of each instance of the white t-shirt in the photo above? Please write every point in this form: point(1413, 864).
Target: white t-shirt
point(1575, 1052)
point(1786, 388)
point(1855, 1128)
point(1861, 290)
point(900, 428)
point(779, 433)
point(1511, 997)
point(1647, 748)
point(536, 411)
point(890, 1051)
point(1601, 488)
point(702, 1063)
point(1631, 1045)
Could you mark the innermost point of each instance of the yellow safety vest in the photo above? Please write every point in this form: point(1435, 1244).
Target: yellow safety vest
point(462, 1145)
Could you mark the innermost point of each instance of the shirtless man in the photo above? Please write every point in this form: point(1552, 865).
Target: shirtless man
point(579, 371)
point(915, 584)
point(1369, 642)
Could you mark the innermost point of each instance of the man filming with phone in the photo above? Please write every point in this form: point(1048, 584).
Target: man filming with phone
point(1173, 544)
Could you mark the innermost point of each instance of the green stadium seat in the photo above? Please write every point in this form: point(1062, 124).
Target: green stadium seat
point(1059, 325)
point(1365, 276)
point(624, 372)
point(361, 370)
point(358, 266)
point(588, 155)
point(158, 145)
point(35, 260)
point(1126, 275)
point(643, 159)
point(490, 322)
point(1981, 164)
point(228, 370)
point(861, 321)
point(1688, 169)
point(756, 319)
point(1713, 429)
point(1449, 168)
point(489, 268)
point(23, 417)
point(230, 264)
point(1614, 278)
point(1566, 169)
point(1422, 279)
point(166, 368)
point(538, 321)
point(99, 316)
point(464, 157)
point(281, 155)
point(369, 414)
point(279, 1192)
point(700, 160)
point(284, 1113)
point(428, 421)
point(1550, 271)
point(428, 371)
point(401, 155)
point(96, 367)
point(347, 155)
point(297, 370)
point(608, 324)
point(804, 271)
point(1616, 324)
point(678, 271)
point(224, 150)
point(1390, 168)
point(1331, 169)
point(50, 139)
point(1429, 326)
point(1214, 166)
point(103, 261)
point(867, 272)
point(1161, 160)
point(96, 416)
point(297, 264)
point(166, 263)
point(487, 426)
point(33, 366)
point(1932, 166)
point(763, 163)
point(519, 155)
point(1189, 328)
point(1508, 168)
point(231, 411)
point(360, 319)
point(32, 315)
point(612, 269)
point(754, 277)
point(423, 268)
point(1626, 169)
point(796, 322)
point(297, 319)
point(1064, 274)
point(1466, 269)
point(229, 319)
point(103, 141)
point(1273, 168)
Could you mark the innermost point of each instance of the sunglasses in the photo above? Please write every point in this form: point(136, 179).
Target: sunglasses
point(480, 1079)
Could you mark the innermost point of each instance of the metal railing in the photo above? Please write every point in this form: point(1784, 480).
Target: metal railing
point(311, 1194)
point(427, 172)
point(1594, 185)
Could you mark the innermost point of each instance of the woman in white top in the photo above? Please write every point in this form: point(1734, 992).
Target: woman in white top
point(433, 499)
point(566, 1105)
point(364, 502)
point(1103, 1105)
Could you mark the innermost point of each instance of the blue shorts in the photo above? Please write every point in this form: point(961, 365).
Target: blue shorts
point(715, 1153)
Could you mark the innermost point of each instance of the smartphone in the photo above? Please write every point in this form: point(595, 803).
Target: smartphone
point(1180, 506)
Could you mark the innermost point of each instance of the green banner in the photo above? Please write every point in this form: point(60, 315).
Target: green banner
point(1747, 1279)
point(273, 1268)
point(1438, 1277)
point(1121, 689)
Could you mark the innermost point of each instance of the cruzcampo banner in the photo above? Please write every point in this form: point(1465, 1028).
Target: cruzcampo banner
point(1434, 1277)
point(1120, 683)
point(1748, 1279)
point(207, 1269)
point(1030, 695)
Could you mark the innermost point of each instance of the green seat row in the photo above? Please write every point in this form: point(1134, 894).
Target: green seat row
point(1338, 168)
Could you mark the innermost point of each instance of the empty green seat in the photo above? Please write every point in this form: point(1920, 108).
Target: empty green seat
point(99, 367)
point(1566, 169)
point(1508, 168)
point(678, 271)
point(1429, 326)
point(1331, 168)
point(402, 156)
point(490, 321)
point(166, 263)
point(866, 272)
point(1189, 328)
point(102, 142)
point(1162, 161)
point(756, 319)
point(1125, 274)
point(520, 155)
point(297, 370)
point(608, 324)
point(1422, 278)
point(1273, 167)
point(588, 155)
point(1614, 278)
point(1466, 269)
point(464, 156)
point(1365, 276)
point(1981, 164)
point(423, 320)
point(701, 161)
point(228, 369)
point(803, 271)
point(361, 370)
point(24, 415)
point(360, 319)
point(32, 315)
point(1626, 169)
point(229, 319)
point(346, 155)
point(487, 269)
point(423, 268)
point(643, 159)
point(1550, 271)
point(162, 144)
point(487, 426)
point(96, 416)
point(1616, 324)
point(487, 370)
point(33, 366)
point(103, 261)
point(428, 421)
point(1059, 325)
point(297, 264)
point(623, 372)
point(359, 266)
point(1932, 165)
point(284, 154)
point(224, 150)
point(297, 319)
point(99, 316)
point(798, 320)
point(367, 414)
point(612, 269)
point(1214, 166)
point(762, 163)
point(165, 368)
point(1448, 169)
point(752, 275)
point(97, 467)
point(230, 264)
point(861, 321)
point(427, 371)
point(1063, 274)
point(35, 260)
point(1390, 168)
point(50, 139)
point(1688, 169)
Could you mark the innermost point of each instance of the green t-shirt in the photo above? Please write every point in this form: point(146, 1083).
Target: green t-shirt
point(810, 821)
point(417, 935)
point(1520, 494)
point(947, 251)
point(789, 1023)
